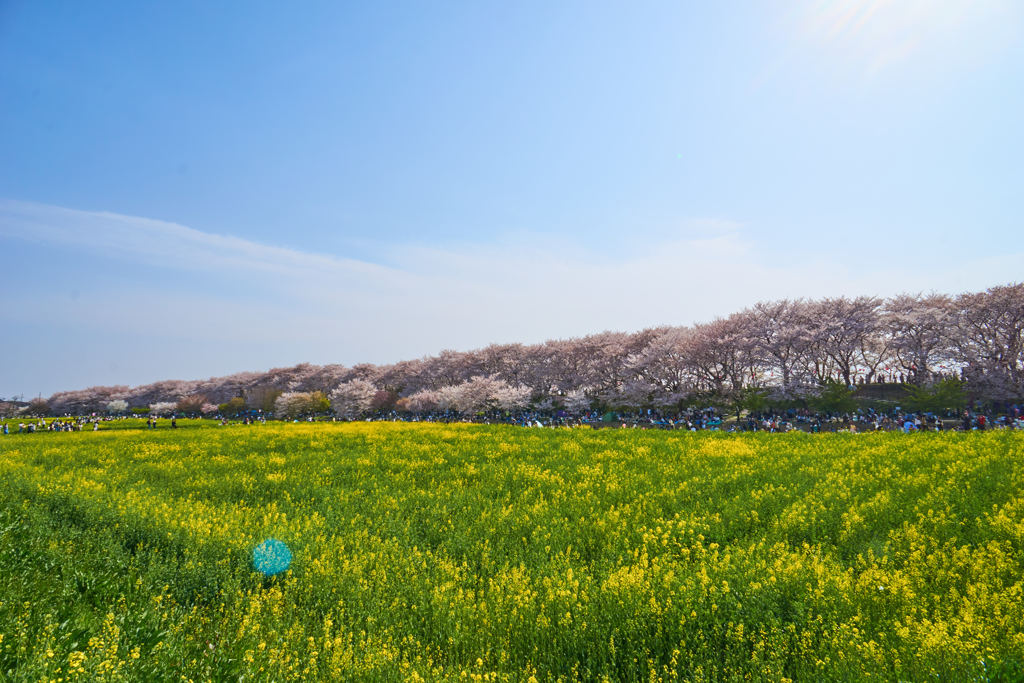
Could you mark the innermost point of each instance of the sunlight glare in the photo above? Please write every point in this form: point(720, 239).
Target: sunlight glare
point(874, 36)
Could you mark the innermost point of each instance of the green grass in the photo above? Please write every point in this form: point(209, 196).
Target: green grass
point(130, 423)
point(503, 553)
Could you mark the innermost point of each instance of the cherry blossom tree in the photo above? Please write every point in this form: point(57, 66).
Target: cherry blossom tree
point(842, 328)
point(504, 361)
point(294, 404)
point(190, 405)
point(118, 406)
point(475, 395)
point(718, 353)
point(576, 401)
point(536, 371)
point(324, 378)
point(402, 378)
point(84, 401)
point(449, 398)
point(989, 340)
point(353, 399)
point(448, 368)
point(423, 401)
point(163, 408)
point(383, 400)
point(787, 347)
point(918, 333)
point(511, 397)
point(223, 389)
point(364, 371)
point(478, 394)
point(663, 370)
point(782, 336)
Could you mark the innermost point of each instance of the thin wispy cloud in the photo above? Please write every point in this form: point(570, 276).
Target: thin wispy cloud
point(725, 267)
point(169, 244)
point(324, 308)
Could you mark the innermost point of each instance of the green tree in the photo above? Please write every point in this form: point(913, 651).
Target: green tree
point(752, 399)
point(235, 406)
point(949, 394)
point(835, 397)
point(319, 403)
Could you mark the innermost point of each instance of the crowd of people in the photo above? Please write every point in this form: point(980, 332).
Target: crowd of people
point(66, 424)
point(711, 419)
point(693, 419)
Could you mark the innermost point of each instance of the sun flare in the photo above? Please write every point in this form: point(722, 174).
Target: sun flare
point(874, 36)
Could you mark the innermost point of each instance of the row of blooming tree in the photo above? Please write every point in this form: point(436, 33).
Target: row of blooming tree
point(786, 349)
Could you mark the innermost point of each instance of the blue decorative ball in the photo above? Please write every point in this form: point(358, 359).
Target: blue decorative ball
point(271, 557)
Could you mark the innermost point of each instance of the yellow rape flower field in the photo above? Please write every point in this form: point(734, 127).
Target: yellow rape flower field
point(490, 553)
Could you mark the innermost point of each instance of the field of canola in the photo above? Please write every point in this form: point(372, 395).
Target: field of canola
point(461, 552)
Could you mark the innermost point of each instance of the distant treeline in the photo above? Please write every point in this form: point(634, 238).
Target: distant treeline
point(784, 350)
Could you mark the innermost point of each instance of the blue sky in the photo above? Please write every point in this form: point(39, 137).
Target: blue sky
point(193, 189)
